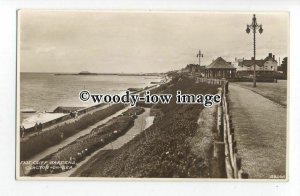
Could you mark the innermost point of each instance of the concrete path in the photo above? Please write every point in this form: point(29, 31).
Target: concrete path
point(260, 131)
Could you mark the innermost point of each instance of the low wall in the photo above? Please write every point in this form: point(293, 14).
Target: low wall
point(64, 118)
point(225, 146)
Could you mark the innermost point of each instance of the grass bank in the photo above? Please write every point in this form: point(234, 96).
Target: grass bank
point(165, 149)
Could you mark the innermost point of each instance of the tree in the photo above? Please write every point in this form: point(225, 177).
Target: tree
point(284, 66)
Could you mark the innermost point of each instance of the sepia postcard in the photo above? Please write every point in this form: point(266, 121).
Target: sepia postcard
point(145, 95)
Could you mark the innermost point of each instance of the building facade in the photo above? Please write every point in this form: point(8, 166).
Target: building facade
point(244, 67)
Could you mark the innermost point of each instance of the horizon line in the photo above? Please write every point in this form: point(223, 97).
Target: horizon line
point(94, 72)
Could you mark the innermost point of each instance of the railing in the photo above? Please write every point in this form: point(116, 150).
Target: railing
point(225, 146)
point(210, 81)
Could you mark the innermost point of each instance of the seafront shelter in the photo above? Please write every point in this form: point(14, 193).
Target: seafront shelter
point(219, 68)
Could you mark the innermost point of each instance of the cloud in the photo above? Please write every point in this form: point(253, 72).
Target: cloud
point(70, 41)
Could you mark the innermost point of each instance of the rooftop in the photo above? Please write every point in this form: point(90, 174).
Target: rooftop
point(220, 63)
point(259, 63)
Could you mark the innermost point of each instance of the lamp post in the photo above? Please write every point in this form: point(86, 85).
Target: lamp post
point(199, 55)
point(254, 26)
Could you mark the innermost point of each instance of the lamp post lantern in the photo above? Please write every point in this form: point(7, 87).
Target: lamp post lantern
point(254, 26)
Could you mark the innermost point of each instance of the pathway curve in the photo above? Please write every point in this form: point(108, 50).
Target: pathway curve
point(260, 131)
point(142, 122)
point(69, 140)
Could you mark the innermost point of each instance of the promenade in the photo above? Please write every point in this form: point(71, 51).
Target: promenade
point(70, 120)
point(260, 132)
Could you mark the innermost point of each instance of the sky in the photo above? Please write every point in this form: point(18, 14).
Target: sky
point(134, 42)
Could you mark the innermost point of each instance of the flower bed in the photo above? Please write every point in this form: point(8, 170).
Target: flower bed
point(51, 137)
point(67, 157)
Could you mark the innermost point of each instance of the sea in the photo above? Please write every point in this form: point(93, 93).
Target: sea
point(43, 92)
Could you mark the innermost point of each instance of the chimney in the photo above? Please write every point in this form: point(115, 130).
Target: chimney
point(274, 57)
point(270, 55)
point(252, 58)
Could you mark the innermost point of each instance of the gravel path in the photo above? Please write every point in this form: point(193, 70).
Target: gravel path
point(260, 127)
